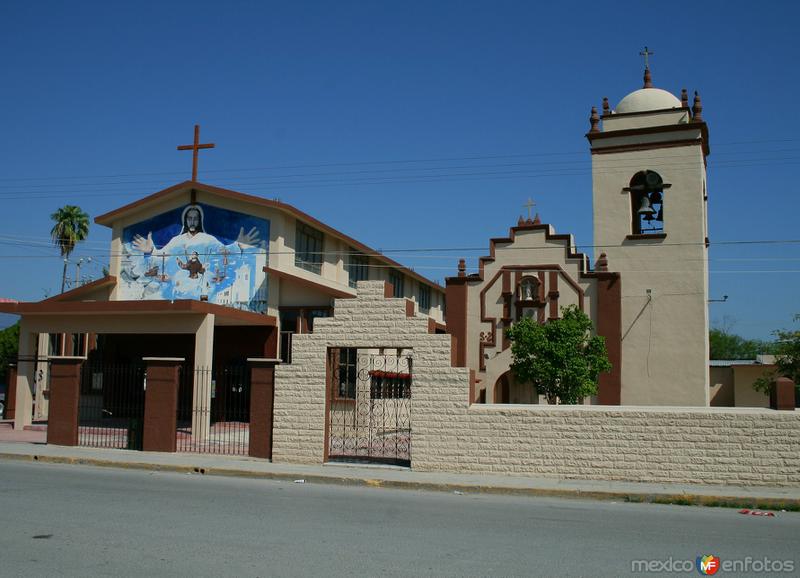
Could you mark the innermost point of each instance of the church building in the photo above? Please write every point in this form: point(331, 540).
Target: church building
point(216, 277)
point(209, 275)
point(647, 292)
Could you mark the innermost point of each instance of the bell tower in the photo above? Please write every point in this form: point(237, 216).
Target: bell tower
point(650, 219)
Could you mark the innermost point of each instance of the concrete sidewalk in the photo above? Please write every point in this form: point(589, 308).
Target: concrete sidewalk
point(403, 478)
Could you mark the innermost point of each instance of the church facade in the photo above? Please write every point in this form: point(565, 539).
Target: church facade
point(209, 275)
point(647, 293)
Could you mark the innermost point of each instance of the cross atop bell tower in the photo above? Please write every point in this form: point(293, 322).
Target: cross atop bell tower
point(646, 53)
point(195, 147)
point(648, 79)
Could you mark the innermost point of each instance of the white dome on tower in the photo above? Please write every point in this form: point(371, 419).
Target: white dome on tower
point(646, 99)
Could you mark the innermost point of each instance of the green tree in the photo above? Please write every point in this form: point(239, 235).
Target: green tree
point(9, 344)
point(71, 227)
point(787, 359)
point(560, 358)
point(726, 345)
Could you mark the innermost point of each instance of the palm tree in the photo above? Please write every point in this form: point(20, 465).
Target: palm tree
point(71, 226)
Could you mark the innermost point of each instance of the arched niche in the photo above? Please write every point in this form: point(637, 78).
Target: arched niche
point(647, 202)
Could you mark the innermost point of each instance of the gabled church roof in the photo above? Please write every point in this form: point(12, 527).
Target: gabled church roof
point(109, 218)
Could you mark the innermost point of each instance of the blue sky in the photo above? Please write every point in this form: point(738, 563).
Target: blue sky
point(413, 125)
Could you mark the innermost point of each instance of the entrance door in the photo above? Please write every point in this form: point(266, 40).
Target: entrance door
point(369, 406)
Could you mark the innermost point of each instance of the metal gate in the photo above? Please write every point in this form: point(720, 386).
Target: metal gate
point(111, 406)
point(369, 406)
point(214, 410)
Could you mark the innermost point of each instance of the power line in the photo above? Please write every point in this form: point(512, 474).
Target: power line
point(363, 162)
point(323, 183)
point(386, 252)
point(274, 179)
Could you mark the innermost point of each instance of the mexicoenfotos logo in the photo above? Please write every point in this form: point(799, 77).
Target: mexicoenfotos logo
point(707, 565)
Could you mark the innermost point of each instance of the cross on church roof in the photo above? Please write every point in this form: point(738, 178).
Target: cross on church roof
point(530, 204)
point(194, 148)
point(646, 53)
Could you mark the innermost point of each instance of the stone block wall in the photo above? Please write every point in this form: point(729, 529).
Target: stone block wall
point(369, 321)
point(688, 445)
point(641, 444)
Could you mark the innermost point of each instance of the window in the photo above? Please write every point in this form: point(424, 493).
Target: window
point(357, 267)
point(298, 320)
point(397, 279)
point(647, 203)
point(346, 373)
point(389, 385)
point(424, 298)
point(54, 344)
point(79, 344)
point(308, 248)
point(312, 314)
point(392, 380)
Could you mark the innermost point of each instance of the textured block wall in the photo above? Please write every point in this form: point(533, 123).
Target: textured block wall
point(682, 445)
point(369, 321)
point(690, 445)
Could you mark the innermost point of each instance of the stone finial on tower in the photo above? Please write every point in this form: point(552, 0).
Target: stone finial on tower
point(684, 98)
point(697, 108)
point(648, 78)
point(520, 221)
point(462, 268)
point(606, 107)
point(594, 119)
point(536, 220)
point(602, 263)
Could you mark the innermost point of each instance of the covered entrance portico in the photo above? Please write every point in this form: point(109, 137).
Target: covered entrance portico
point(139, 329)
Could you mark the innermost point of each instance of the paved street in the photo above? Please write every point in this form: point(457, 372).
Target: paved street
point(85, 521)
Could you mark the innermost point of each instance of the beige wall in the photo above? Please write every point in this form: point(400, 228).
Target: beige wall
point(732, 386)
point(743, 378)
point(677, 445)
point(665, 332)
point(721, 387)
point(646, 444)
point(626, 121)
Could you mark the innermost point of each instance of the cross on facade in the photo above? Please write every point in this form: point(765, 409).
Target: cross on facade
point(195, 148)
point(646, 53)
point(530, 204)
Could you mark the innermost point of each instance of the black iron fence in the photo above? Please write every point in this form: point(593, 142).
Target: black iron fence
point(370, 406)
point(111, 406)
point(214, 410)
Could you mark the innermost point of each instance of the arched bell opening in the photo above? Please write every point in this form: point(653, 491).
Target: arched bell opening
point(647, 202)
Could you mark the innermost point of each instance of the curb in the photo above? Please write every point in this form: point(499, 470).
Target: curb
point(763, 503)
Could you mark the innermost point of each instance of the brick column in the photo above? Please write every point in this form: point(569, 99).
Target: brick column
point(161, 404)
point(782, 395)
point(11, 391)
point(65, 385)
point(609, 325)
point(262, 396)
point(456, 297)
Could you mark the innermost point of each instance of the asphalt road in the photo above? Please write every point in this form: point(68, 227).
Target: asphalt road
point(61, 520)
